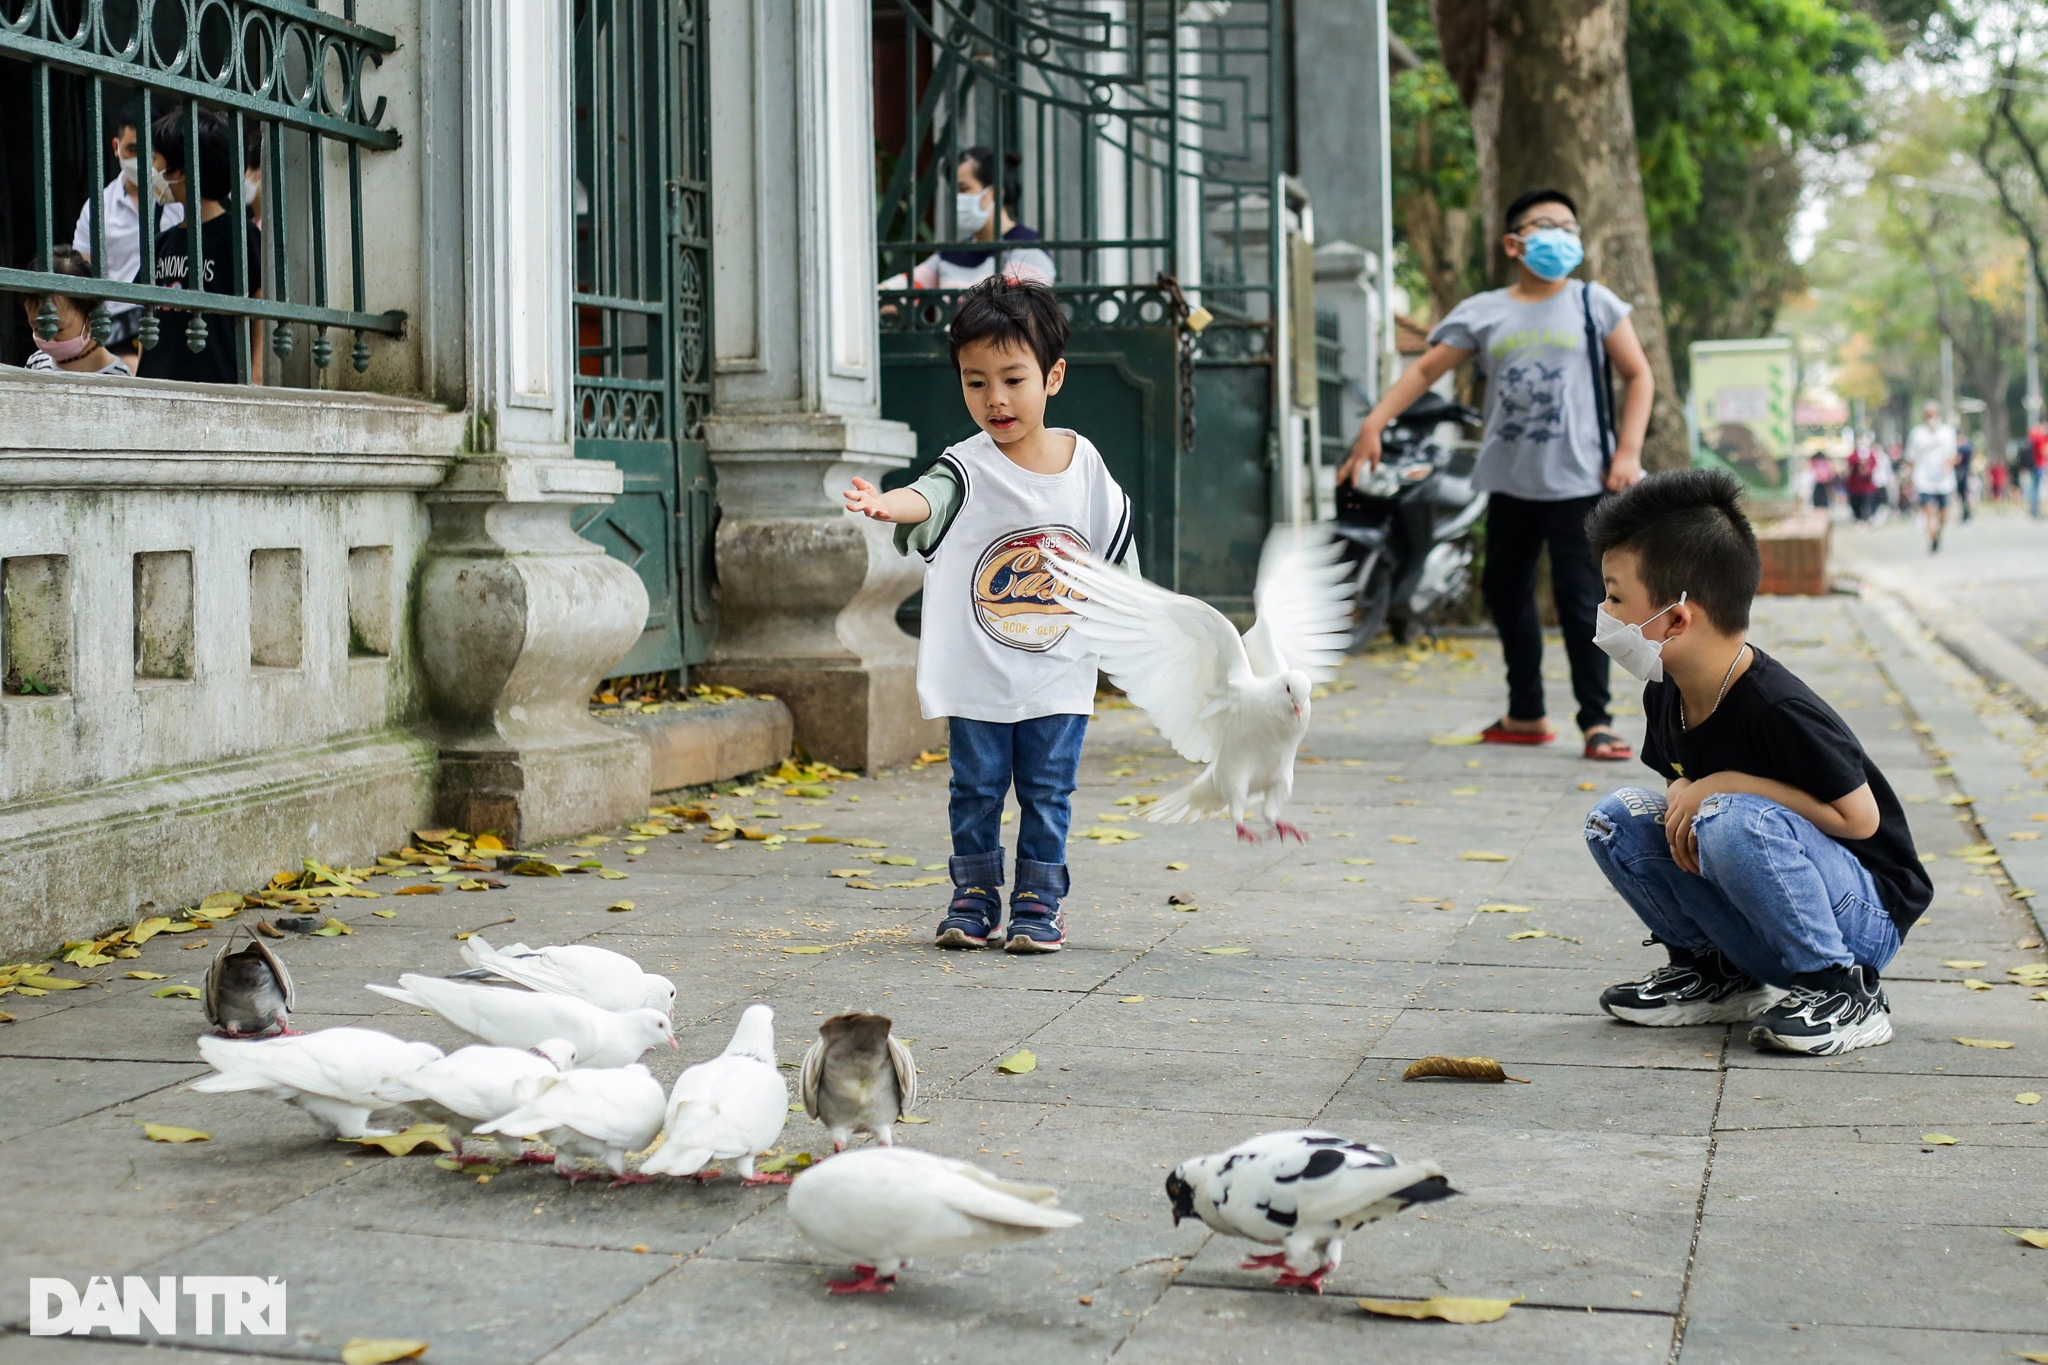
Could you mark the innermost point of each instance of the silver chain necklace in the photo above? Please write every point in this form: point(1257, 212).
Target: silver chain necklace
point(1726, 678)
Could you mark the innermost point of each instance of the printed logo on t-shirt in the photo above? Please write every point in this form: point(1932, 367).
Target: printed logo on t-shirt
point(1016, 598)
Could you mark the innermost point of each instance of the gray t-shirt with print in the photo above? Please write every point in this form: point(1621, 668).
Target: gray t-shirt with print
point(1542, 437)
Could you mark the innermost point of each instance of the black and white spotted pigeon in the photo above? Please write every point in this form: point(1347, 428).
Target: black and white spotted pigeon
point(1302, 1190)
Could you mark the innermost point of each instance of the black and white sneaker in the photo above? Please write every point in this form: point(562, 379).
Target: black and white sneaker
point(1695, 988)
point(1827, 1013)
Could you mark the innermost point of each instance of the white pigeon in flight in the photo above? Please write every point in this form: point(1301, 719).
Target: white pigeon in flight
point(881, 1206)
point(1237, 703)
point(599, 976)
point(602, 1114)
point(728, 1108)
point(525, 1019)
point(333, 1074)
point(474, 1085)
point(1302, 1190)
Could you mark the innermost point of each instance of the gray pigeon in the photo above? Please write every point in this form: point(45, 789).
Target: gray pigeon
point(248, 993)
point(857, 1078)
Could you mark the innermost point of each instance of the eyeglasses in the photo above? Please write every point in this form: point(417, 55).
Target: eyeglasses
point(1529, 225)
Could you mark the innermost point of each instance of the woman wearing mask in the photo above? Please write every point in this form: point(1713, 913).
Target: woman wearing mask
point(982, 216)
point(73, 348)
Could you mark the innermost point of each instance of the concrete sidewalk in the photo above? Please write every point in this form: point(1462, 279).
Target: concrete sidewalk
point(1649, 1196)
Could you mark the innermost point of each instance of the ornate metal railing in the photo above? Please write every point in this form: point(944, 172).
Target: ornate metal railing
point(287, 78)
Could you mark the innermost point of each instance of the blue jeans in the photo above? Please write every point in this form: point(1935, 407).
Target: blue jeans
point(1041, 756)
point(1773, 893)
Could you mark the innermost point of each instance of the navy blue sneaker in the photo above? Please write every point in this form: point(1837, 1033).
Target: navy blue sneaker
point(976, 914)
point(1037, 924)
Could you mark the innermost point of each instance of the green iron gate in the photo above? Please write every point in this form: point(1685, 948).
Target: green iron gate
point(1140, 144)
point(643, 307)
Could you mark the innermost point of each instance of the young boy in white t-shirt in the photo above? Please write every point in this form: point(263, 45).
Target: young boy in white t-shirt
point(995, 657)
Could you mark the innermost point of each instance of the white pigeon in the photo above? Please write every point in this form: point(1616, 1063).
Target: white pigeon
point(1303, 1190)
point(1237, 703)
point(333, 1074)
point(524, 1019)
point(475, 1085)
point(598, 976)
point(600, 1114)
point(728, 1108)
point(881, 1206)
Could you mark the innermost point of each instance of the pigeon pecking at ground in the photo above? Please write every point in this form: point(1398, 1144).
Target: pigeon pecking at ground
point(333, 1075)
point(1237, 703)
point(524, 1019)
point(600, 1114)
point(475, 1085)
point(858, 1078)
point(248, 993)
point(728, 1108)
point(880, 1207)
point(596, 976)
point(1303, 1191)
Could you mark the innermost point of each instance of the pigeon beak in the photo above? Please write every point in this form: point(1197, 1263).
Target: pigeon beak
point(672, 1041)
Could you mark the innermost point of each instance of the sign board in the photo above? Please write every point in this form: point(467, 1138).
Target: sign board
point(1742, 409)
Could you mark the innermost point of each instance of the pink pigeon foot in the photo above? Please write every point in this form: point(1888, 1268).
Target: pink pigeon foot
point(536, 1159)
point(705, 1177)
point(1263, 1262)
point(630, 1178)
point(867, 1282)
point(574, 1175)
point(1286, 831)
point(765, 1179)
point(1245, 835)
point(470, 1159)
point(1289, 1280)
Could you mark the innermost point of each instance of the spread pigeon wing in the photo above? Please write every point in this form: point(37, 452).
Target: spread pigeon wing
point(1176, 657)
point(810, 1074)
point(1303, 605)
point(906, 1075)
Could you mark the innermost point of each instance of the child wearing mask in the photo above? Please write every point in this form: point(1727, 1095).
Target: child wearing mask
point(1775, 866)
point(996, 657)
point(73, 349)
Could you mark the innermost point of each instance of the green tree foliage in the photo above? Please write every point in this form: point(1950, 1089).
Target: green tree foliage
point(1436, 171)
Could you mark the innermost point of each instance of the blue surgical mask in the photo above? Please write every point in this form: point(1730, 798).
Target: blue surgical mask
point(1551, 253)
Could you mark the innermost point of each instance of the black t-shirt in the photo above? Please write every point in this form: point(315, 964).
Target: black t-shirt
point(171, 358)
point(1773, 725)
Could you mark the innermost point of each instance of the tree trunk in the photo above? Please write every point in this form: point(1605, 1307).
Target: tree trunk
point(1547, 84)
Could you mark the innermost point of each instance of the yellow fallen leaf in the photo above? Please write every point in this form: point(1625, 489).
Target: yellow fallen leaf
point(1354, 879)
point(192, 993)
point(861, 885)
point(1402, 839)
point(916, 881)
point(1464, 791)
point(1018, 1063)
point(2033, 1237)
point(147, 929)
point(222, 900)
point(1176, 867)
point(786, 1163)
point(1456, 739)
point(1449, 1309)
point(1961, 964)
point(808, 824)
point(865, 843)
point(385, 914)
point(433, 1135)
point(814, 948)
point(167, 1132)
point(2026, 1097)
point(1130, 1000)
point(1357, 862)
point(849, 872)
point(144, 976)
point(610, 874)
point(333, 927)
point(1993, 1043)
point(536, 867)
point(488, 843)
point(620, 905)
point(905, 1118)
point(1225, 952)
point(1937, 1139)
point(1503, 908)
point(381, 1351)
point(1972, 984)
point(1589, 786)
point(1474, 856)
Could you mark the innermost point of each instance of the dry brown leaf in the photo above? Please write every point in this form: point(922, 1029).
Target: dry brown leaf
point(418, 889)
point(1450, 1310)
point(1459, 1068)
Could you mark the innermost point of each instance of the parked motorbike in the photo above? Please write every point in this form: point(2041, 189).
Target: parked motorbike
point(1407, 524)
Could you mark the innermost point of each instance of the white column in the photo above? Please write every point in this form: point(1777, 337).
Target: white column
point(807, 594)
point(518, 616)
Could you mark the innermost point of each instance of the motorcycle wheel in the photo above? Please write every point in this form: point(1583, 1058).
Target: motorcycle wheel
point(1372, 598)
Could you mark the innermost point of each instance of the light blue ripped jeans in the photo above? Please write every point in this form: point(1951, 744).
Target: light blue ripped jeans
point(1773, 893)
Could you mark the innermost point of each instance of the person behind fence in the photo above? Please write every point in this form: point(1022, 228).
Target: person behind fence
point(220, 186)
point(121, 202)
point(73, 348)
point(985, 207)
point(996, 657)
point(1775, 865)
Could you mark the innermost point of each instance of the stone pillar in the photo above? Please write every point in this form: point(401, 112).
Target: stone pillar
point(517, 615)
point(807, 594)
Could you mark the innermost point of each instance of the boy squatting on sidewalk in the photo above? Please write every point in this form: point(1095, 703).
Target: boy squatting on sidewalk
point(995, 656)
point(1775, 867)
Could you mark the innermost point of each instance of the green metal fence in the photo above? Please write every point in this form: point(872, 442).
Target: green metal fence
point(289, 79)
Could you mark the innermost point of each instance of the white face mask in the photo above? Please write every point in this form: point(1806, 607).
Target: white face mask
point(160, 187)
point(1643, 659)
point(968, 211)
point(252, 187)
point(131, 170)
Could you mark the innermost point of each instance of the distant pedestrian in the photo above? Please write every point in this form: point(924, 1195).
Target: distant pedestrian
point(2037, 466)
point(1994, 480)
point(1823, 480)
point(1776, 858)
point(1551, 451)
point(1862, 483)
point(1965, 455)
point(73, 349)
point(1931, 456)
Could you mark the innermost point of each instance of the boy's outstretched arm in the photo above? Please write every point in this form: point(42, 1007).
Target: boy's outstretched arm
point(904, 506)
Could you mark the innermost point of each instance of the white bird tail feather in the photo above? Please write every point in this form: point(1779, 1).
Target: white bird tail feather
point(398, 993)
point(1198, 800)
